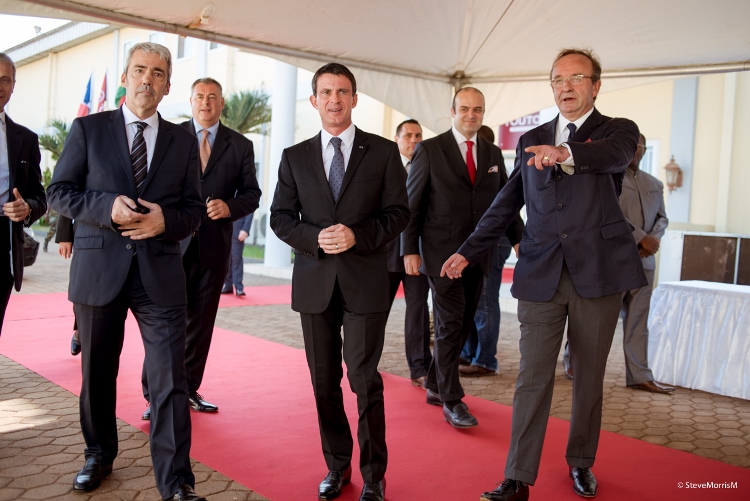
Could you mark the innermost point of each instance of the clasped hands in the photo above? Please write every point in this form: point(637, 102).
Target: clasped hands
point(546, 156)
point(133, 224)
point(336, 239)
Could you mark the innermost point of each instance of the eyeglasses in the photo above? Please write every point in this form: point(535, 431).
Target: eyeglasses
point(572, 79)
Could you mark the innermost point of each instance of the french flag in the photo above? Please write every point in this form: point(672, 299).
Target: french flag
point(85, 107)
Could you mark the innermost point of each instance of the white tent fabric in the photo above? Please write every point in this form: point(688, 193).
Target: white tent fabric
point(411, 53)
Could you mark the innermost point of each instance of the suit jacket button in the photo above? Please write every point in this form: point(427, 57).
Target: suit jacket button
point(559, 206)
point(564, 235)
point(129, 246)
point(558, 177)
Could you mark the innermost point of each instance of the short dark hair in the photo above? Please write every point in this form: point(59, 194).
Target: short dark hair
point(401, 125)
point(333, 69)
point(587, 53)
point(453, 104)
point(207, 81)
point(486, 133)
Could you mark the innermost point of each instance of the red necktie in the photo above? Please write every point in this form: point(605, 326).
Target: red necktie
point(470, 161)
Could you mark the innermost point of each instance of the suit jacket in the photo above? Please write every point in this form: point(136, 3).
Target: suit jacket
point(445, 206)
point(25, 174)
point(65, 230)
point(372, 203)
point(572, 219)
point(229, 176)
point(93, 169)
point(393, 252)
point(642, 203)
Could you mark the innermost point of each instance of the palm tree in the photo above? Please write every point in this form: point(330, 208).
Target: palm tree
point(54, 141)
point(246, 111)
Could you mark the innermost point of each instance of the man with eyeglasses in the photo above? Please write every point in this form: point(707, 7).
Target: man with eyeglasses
point(576, 259)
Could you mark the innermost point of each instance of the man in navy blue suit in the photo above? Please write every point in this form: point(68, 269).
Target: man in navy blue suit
point(576, 258)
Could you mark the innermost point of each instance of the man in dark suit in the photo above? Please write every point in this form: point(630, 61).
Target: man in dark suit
point(416, 288)
point(229, 187)
point(21, 190)
point(64, 236)
point(131, 181)
point(576, 258)
point(341, 197)
point(240, 232)
point(454, 178)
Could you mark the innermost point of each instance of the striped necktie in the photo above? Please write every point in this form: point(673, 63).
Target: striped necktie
point(139, 156)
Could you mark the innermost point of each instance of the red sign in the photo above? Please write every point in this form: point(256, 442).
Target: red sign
point(511, 132)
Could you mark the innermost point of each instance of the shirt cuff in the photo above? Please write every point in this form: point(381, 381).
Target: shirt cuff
point(568, 165)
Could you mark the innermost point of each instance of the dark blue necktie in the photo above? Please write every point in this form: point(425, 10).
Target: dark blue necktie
point(572, 131)
point(139, 156)
point(336, 172)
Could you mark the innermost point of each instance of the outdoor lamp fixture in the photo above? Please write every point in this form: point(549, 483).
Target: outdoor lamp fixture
point(674, 175)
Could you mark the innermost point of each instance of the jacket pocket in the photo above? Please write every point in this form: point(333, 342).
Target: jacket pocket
point(94, 242)
point(616, 229)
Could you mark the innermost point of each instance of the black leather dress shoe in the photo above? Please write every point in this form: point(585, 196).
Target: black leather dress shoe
point(75, 344)
point(509, 490)
point(240, 293)
point(584, 482)
point(186, 493)
point(373, 491)
point(147, 414)
point(200, 405)
point(91, 475)
point(459, 417)
point(330, 487)
point(653, 387)
point(433, 398)
point(226, 290)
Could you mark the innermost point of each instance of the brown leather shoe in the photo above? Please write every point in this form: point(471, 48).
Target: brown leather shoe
point(463, 361)
point(653, 387)
point(475, 371)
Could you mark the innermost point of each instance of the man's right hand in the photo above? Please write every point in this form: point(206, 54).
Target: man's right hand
point(412, 262)
point(123, 212)
point(454, 266)
point(650, 244)
point(65, 249)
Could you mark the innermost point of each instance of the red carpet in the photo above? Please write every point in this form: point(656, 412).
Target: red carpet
point(266, 436)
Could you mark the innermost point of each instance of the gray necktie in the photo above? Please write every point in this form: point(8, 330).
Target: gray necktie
point(139, 156)
point(336, 172)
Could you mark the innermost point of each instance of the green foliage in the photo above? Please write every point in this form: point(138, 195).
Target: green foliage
point(246, 111)
point(54, 141)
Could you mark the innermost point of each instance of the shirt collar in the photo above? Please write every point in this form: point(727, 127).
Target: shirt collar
point(460, 139)
point(405, 160)
point(130, 117)
point(211, 130)
point(2, 117)
point(562, 122)
point(347, 137)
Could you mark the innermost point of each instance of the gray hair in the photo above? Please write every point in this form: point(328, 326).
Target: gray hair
point(5, 58)
point(207, 81)
point(151, 48)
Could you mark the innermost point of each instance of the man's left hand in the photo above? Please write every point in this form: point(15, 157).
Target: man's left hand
point(650, 244)
point(546, 156)
point(454, 266)
point(217, 209)
point(148, 226)
point(336, 239)
point(17, 210)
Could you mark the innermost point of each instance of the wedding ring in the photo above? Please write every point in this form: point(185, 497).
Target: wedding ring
point(546, 159)
point(337, 246)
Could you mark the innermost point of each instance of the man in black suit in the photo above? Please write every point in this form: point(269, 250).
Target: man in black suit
point(21, 190)
point(131, 181)
point(229, 187)
point(64, 236)
point(416, 288)
point(453, 179)
point(576, 258)
point(233, 280)
point(340, 199)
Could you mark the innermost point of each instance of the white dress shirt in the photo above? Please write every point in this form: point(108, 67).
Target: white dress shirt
point(561, 136)
point(4, 162)
point(347, 141)
point(149, 133)
point(461, 140)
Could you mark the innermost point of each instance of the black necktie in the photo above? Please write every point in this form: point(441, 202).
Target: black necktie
point(572, 131)
point(336, 172)
point(139, 156)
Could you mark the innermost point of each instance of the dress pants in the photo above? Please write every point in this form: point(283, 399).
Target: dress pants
point(481, 347)
point(416, 321)
point(636, 305)
point(204, 292)
point(362, 347)
point(102, 330)
point(591, 326)
point(455, 304)
point(6, 275)
point(236, 268)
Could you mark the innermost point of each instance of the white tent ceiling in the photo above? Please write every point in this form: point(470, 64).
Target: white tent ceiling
point(410, 53)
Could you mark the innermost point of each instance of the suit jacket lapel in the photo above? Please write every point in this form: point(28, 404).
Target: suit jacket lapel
point(15, 141)
point(120, 140)
point(547, 133)
point(221, 143)
point(315, 155)
point(483, 162)
point(454, 156)
point(358, 152)
point(588, 127)
point(163, 138)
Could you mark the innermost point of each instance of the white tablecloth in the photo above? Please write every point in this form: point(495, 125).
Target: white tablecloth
point(699, 336)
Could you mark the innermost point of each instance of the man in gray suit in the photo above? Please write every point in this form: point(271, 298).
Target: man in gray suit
point(642, 203)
